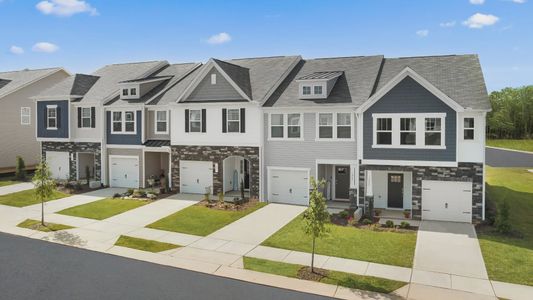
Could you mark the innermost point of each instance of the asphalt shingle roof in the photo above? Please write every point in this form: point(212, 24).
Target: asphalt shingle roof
point(321, 75)
point(11, 81)
point(239, 75)
point(75, 85)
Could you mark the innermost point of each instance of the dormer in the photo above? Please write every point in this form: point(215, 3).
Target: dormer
point(136, 88)
point(317, 85)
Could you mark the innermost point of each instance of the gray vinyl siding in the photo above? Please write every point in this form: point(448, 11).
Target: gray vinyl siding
point(125, 139)
point(150, 127)
point(304, 154)
point(220, 91)
point(410, 97)
point(62, 130)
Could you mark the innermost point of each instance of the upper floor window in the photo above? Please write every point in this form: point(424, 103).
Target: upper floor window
point(384, 131)
point(195, 120)
point(408, 131)
point(317, 90)
point(125, 92)
point(306, 90)
point(335, 126)
point(213, 78)
point(25, 116)
point(286, 126)
point(86, 117)
point(161, 122)
point(133, 92)
point(276, 126)
point(123, 122)
point(234, 120)
point(468, 129)
point(294, 127)
point(433, 134)
point(51, 117)
point(325, 126)
point(344, 126)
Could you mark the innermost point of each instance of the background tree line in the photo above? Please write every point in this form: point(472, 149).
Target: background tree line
point(512, 114)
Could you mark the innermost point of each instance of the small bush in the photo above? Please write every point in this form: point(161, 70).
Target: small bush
point(129, 192)
point(343, 214)
point(503, 225)
point(221, 198)
point(20, 169)
point(117, 195)
point(389, 224)
point(405, 225)
point(366, 222)
point(78, 186)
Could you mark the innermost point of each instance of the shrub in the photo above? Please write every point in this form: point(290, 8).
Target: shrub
point(389, 224)
point(503, 225)
point(129, 192)
point(405, 225)
point(366, 221)
point(20, 169)
point(77, 186)
point(221, 198)
point(117, 195)
point(343, 214)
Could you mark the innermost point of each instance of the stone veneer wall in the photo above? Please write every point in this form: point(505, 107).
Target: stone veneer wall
point(463, 172)
point(216, 154)
point(74, 147)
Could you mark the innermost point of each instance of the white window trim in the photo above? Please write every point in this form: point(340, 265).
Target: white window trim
point(123, 121)
point(471, 128)
point(312, 94)
point(49, 107)
point(409, 131)
point(285, 127)
point(190, 121)
point(420, 130)
point(25, 112)
point(334, 125)
point(228, 120)
point(90, 118)
point(158, 121)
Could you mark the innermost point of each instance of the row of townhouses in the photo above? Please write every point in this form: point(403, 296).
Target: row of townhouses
point(408, 131)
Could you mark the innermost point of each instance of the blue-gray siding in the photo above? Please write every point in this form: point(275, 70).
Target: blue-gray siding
point(410, 97)
point(125, 139)
point(222, 90)
point(62, 130)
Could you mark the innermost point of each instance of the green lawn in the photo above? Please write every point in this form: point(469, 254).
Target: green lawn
point(27, 197)
point(391, 248)
point(144, 245)
point(36, 225)
point(354, 281)
point(4, 181)
point(510, 259)
point(200, 220)
point(103, 209)
point(524, 145)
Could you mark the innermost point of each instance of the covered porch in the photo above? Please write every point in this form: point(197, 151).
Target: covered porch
point(157, 169)
point(340, 178)
point(236, 174)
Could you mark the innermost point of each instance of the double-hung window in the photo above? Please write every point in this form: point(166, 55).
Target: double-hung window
point(306, 90)
point(129, 121)
point(468, 128)
point(86, 117)
point(277, 126)
point(51, 117)
point(25, 116)
point(294, 127)
point(234, 120)
point(334, 126)
point(195, 120)
point(407, 131)
point(286, 126)
point(123, 122)
point(125, 92)
point(161, 122)
point(344, 126)
point(384, 131)
point(117, 121)
point(325, 125)
point(433, 132)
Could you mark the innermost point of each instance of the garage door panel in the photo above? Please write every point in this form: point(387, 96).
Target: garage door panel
point(289, 186)
point(124, 172)
point(59, 164)
point(447, 201)
point(196, 176)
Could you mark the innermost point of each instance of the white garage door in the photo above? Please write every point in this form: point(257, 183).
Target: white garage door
point(124, 171)
point(289, 186)
point(59, 164)
point(447, 201)
point(196, 176)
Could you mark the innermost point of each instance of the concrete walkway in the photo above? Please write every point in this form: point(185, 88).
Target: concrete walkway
point(17, 187)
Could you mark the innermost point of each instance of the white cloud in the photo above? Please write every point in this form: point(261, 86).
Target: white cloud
point(479, 20)
point(45, 47)
point(219, 38)
point(448, 24)
point(519, 1)
point(65, 8)
point(422, 33)
point(477, 2)
point(16, 50)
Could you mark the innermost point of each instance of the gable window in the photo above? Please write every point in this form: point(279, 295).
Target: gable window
point(133, 92)
point(306, 90)
point(234, 120)
point(85, 117)
point(195, 120)
point(294, 126)
point(276, 126)
point(25, 116)
point(117, 121)
point(325, 126)
point(125, 92)
point(468, 128)
point(51, 117)
point(384, 131)
point(344, 126)
point(433, 134)
point(317, 90)
point(407, 131)
point(213, 78)
point(161, 121)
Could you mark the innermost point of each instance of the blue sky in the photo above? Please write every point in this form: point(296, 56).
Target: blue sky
point(85, 35)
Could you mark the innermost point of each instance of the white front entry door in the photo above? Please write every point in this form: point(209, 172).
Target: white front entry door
point(196, 176)
point(124, 171)
point(288, 186)
point(447, 201)
point(59, 164)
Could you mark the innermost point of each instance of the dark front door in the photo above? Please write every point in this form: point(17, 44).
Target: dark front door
point(342, 182)
point(395, 190)
point(246, 167)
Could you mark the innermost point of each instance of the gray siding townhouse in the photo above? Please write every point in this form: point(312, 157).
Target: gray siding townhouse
point(17, 113)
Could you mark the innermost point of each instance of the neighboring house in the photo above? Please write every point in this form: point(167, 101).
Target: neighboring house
point(17, 113)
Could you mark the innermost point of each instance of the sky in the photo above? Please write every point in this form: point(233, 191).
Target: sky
point(83, 36)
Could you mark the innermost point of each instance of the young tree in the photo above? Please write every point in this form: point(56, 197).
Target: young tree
point(44, 185)
point(503, 225)
point(316, 216)
point(20, 169)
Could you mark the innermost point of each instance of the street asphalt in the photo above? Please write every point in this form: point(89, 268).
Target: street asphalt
point(508, 159)
point(33, 269)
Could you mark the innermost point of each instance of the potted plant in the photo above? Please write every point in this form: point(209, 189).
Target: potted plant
point(407, 213)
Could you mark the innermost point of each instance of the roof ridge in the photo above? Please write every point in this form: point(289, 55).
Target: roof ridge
point(217, 60)
point(184, 63)
point(28, 70)
point(341, 57)
point(135, 63)
point(265, 57)
point(430, 56)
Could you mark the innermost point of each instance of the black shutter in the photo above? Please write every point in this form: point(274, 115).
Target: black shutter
point(243, 120)
point(224, 121)
point(58, 117)
point(79, 117)
point(203, 120)
point(45, 120)
point(186, 120)
point(93, 117)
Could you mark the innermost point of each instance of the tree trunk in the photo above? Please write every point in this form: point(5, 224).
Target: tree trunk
point(313, 257)
point(42, 212)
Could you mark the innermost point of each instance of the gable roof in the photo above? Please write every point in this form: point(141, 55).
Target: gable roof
point(14, 80)
point(353, 86)
point(459, 77)
point(175, 91)
point(239, 75)
point(74, 86)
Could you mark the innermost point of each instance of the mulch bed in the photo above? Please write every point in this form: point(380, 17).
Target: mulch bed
point(306, 274)
point(228, 206)
point(75, 191)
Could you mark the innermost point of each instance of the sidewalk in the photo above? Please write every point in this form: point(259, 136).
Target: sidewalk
point(14, 188)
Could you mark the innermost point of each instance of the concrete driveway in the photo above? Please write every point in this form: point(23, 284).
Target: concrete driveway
point(13, 188)
point(497, 157)
point(450, 248)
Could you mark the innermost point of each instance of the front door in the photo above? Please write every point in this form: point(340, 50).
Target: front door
point(395, 190)
point(246, 174)
point(342, 182)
